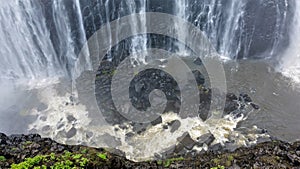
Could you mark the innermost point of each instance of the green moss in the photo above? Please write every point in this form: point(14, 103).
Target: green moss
point(84, 151)
point(52, 156)
point(14, 149)
point(102, 156)
point(168, 162)
point(54, 161)
point(77, 156)
point(218, 167)
point(159, 162)
point(228, 163)
point(2, 158)
point(230, 158)
point(216, 161)
point(28, 142)
point(28, 163)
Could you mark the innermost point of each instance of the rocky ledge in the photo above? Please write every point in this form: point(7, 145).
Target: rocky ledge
point(32, 151)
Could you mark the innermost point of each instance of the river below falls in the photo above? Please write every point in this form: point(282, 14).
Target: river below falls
point(277, 96)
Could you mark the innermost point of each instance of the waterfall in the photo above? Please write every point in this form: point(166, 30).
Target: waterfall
point(37, 38)
point(42, 38)
point(290, 62)
point(138, 43)
point(181, 11)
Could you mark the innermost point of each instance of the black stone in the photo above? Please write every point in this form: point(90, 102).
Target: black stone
point(255, 106)
point(187, 141)
point(197, 61)
point(71, 133)
point(71, 118)
point(199, 77)
point(205, 139)
point(157, 121)
point(175, 124)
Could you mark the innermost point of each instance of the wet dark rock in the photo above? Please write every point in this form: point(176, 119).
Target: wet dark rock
point(264, 131)
point(230, 106)
point(71, 133)
point(216, 147)
point(187, 141)
point(245, 97)
point(294, 158)
point(231, 96)
point(199, 77)
point(123, 126)
point(139, 128)
point(157, 121)
point(34, 137)
point(43, 118)
point(197, 61)
point(3, 138)
point(72, 99)
point(255, 106)
point(71, 118)
point(141, 131)
point(179, 149)
point(175, 124)
point(128, 135)
point(205, 139)
point(46, 128)
point(60, 126)
point(89, 134)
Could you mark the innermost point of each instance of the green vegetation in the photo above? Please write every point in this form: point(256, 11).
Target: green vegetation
point(102, 156)
point(226, 160)
point(168, 162)
point(216, 161)
point(84, 151)
point(29, 163)
point(28, 142)
point(2, 158)
point(218, 167)
point(67, 160)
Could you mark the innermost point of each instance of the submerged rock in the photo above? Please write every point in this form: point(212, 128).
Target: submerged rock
point(175, 124)
point(71, 133)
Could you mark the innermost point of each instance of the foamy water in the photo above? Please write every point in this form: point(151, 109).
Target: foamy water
point(54, 122)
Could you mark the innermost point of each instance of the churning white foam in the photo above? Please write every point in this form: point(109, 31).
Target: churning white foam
point(67, 121)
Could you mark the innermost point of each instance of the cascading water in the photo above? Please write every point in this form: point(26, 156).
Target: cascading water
point(46, 41)
point(290, 62)
point(36, 42)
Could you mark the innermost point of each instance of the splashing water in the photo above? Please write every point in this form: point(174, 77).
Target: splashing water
point(68, 122)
